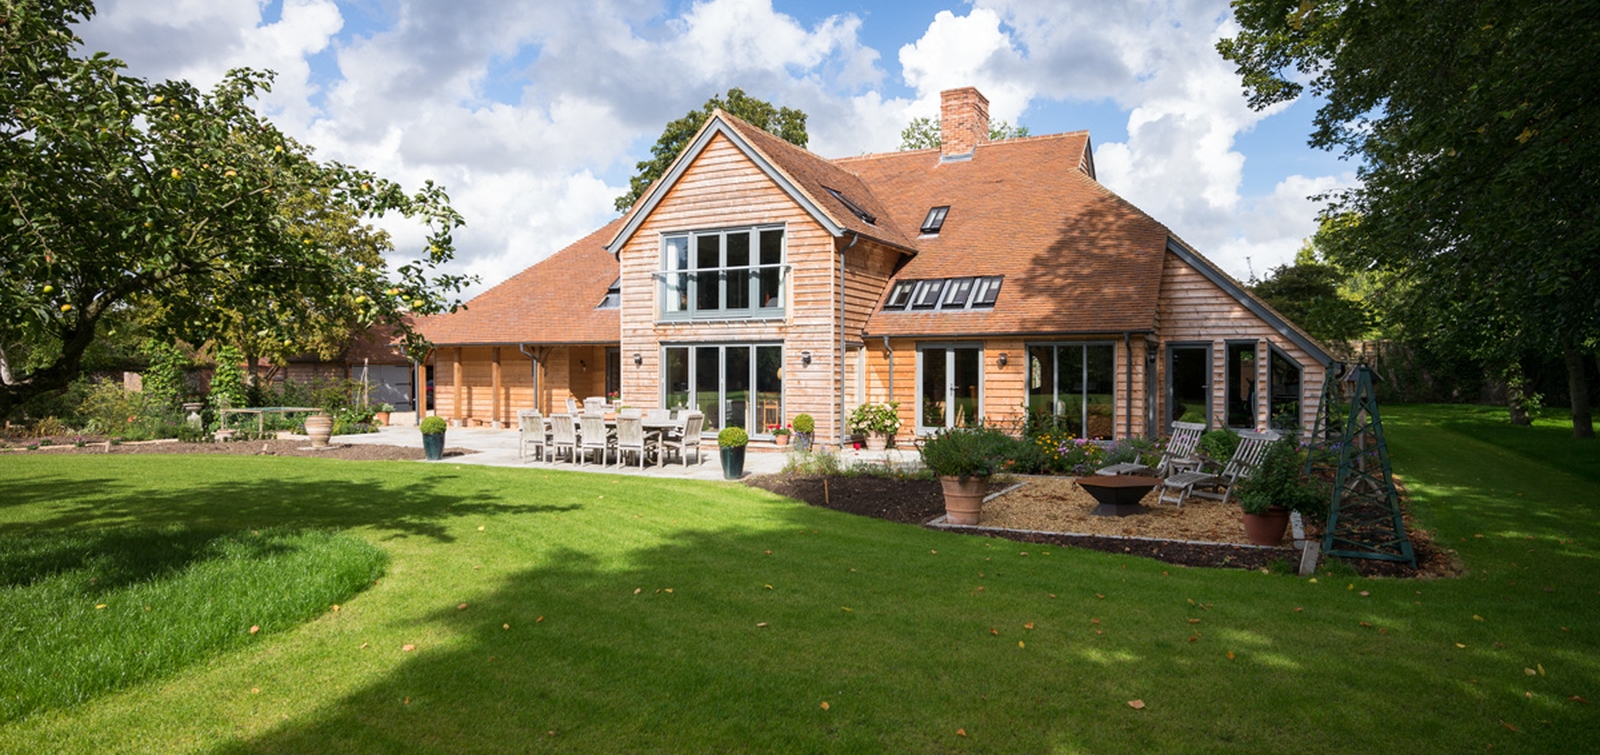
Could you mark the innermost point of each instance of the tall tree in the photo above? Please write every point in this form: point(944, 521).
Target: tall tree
point(123, 200)
point(1474, 121)
point(926, 133)
point(1308, 293)
point(786, 123)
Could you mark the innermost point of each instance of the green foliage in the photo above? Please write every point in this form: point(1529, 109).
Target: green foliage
point(1280, 480)
point(164, 379)
point(184, 211)
point(228, 379)
point(927, 133)
point(967, 451)
point(91, 611)
point(1308, 293)
point(875, 417)
point(1478, 199)
point(434, 425)
point(1218, 444)
point(805, 423)
point(813, 462)
point(786, 123)
point(732, 437)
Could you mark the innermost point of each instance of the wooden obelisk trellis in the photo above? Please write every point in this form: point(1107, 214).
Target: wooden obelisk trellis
point(1365, 520)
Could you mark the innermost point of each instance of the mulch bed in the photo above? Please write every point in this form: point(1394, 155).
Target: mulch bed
point(914, 501)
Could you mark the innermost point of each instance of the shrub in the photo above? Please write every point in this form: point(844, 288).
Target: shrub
point(1219, 444)
point(875, 418)
point(433, 426)
point(805, 423)
point(1280, 480)
point(732, 437)
point(227, 382)
point(164, 378)
point(967, 452)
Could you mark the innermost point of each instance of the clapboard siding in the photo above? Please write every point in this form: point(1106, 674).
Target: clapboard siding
point(721, 188)
point(1193, 309)
point(576, 372)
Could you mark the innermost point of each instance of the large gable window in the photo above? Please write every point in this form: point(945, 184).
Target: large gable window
point(1074, 387)
point(722, 275)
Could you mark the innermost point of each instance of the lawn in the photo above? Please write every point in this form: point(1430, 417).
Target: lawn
point(634, 615)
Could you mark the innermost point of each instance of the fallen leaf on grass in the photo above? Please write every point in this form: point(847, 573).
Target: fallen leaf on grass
point(1502, 722)
point(769, 553)
point(363, 646)
point(1194, 621)
point(1020, 645)
point(638, 590)
point(541, 618)
point(934, 552)
point(1578, 699)
point(505, 626)
point(1053, 595)
point(461, 607)
point(769, 587)
point(1136, 704)
point(1365, 624)
point(1094, 621)
point(961, 732)
point(102, 605)
point(1098, 595)
point(761, 624)
point(1028, 625)
point(335, 608)
point(1298, 609)
point(1530, 672)
point(407, 648)
point(994, 631)
point(1230, 655)
point(254, 628)
point(1476, 617)
point(1539, 666)
point(1364, 593)
point(480, 528)
point(847, 609)
point(1459, 645)
point(824, 704)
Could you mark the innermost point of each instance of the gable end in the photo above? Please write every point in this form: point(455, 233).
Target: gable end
point(1249, 301)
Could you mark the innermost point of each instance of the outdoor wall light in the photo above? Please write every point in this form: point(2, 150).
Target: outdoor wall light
point(1003, 360)
point(805, 358)
point(637, 359)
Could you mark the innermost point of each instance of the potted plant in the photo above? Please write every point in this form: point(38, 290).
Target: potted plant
point(964, 459)
point(804, 428)
point(381, 413)
point(877, 421)
point(731, 442)
point(433, 437)
point(780, 434)
point(1277, 486)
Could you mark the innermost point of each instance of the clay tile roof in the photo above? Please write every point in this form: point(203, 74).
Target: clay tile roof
point(1076, 257)
point(551, 302)
point(815, 175)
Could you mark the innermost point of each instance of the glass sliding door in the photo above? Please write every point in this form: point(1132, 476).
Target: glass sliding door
point(950, 386)
point(735, 385)
point(1073, 385)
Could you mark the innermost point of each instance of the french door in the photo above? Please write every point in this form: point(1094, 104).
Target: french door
point(949, 386)
point(733, 385)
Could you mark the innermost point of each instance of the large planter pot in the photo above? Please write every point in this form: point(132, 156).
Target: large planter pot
point(320, 428)
point(780, 440)
point(1268, 528)
point(963, 498)
point(877, 441)
point(433, 446)
point(381, 418)
point(733, 462)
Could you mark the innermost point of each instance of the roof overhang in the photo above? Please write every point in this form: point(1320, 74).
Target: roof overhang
point(715, 126)
point(1250, 302)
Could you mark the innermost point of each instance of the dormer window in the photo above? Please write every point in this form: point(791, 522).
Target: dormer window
point(854, 208)
point(899, 295)
point(613, 298)
point(927, 294)
point(934, 221)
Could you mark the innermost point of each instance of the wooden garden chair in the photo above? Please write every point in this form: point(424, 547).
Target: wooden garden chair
point(564, 435)
point(632, 438)
point(1177, 488)
point(531, 435)
point(1178, 456)
point(687, 439)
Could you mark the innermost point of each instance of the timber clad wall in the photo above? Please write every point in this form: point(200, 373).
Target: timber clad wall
point(1194, 309)
point(723, 189)
point(576, 372)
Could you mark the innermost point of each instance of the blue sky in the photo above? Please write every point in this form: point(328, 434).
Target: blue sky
point(532, 114)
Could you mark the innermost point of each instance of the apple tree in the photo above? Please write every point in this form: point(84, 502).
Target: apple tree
point(187, 212)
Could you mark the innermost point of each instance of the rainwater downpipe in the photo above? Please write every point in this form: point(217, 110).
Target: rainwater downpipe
point(854, 237)
point(522, 347)
point(890, 351)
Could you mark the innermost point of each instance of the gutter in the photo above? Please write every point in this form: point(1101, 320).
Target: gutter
point(890, 351)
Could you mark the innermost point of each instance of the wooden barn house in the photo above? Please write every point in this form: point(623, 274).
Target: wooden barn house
point(976, 281)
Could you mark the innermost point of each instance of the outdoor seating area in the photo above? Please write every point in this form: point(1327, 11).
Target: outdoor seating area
point(600, 434)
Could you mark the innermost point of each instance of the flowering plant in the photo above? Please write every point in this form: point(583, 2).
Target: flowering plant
point(779, 429)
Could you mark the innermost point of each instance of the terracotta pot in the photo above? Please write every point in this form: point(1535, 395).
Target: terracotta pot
point(1268, 528)
point(963, 498)
point(877, 441)
point(320, 428)
point(382, 418)
point(780, 440)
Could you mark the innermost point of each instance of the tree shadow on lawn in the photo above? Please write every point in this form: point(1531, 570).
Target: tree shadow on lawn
point(731, 640)
point(395, 497)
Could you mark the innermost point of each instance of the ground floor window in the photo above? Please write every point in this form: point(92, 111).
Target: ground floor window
point(949, 386)
point(1241, 383)
point(734, 385)
point(613, 373)
point(1284, 379)
point(1075, 384)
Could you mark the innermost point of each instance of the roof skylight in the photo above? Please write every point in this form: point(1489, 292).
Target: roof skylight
point(854, 208)
point(935, 220)
point(944, 294)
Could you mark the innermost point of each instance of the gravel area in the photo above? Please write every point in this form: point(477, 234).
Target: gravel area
point(1058, 504)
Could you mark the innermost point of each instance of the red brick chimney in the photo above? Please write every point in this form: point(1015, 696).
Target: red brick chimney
point(963, 121)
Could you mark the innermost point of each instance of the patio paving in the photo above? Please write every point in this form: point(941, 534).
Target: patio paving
point(498, 448)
